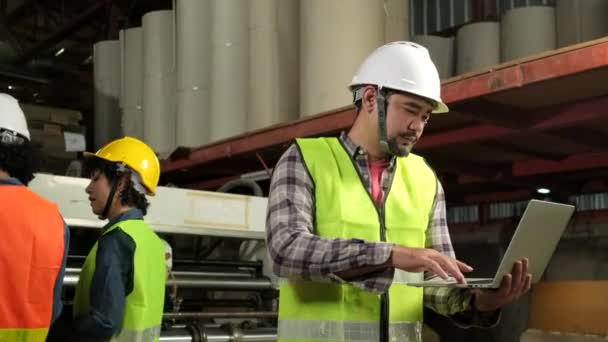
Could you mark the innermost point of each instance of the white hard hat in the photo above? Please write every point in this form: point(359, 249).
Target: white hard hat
point(402, 66)
point(12, 117)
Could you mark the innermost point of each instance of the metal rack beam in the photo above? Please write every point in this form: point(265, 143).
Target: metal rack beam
point(522, 106)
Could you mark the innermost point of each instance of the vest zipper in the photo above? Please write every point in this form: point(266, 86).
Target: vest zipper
point(384, 298)
point(384, 302)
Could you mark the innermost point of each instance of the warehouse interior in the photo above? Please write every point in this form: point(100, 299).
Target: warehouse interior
point(221, 88)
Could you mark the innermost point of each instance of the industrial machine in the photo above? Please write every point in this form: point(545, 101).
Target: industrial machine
point(220, 286)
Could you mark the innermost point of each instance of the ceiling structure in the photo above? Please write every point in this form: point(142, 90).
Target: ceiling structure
point(535, 122)
point(46, 46)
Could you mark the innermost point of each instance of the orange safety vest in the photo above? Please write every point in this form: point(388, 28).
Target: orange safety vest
point(31, 253)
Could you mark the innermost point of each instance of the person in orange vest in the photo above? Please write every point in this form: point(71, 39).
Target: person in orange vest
point(35, 239)
point(121, 290)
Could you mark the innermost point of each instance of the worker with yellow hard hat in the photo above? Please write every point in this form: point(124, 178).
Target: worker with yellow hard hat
point(120, 294)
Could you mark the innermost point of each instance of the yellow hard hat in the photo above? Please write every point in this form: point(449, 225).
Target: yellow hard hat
point(136, 155)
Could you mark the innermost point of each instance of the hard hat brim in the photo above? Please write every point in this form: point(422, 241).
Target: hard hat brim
point(441, 108)
point(95, 155)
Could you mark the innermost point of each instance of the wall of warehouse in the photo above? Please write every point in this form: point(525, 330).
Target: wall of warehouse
point(288, 59)
point(582, 254)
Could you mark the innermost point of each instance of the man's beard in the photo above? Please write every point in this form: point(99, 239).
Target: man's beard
point(396, 150)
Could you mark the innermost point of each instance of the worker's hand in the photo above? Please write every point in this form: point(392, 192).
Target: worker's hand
point(429, 260)
point(513, 286)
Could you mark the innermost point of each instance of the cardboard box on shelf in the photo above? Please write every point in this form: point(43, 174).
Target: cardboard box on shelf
point(61, 116)
point(59, 135)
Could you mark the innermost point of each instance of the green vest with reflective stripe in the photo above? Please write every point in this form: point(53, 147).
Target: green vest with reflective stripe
point(315, 311)
point(144, 305)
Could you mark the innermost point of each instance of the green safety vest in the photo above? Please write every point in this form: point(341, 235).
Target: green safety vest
point(316, 311)
point(144, 305)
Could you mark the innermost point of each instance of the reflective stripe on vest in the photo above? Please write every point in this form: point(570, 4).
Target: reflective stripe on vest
point(144, 305)
point(402, 277)
point(32, 248)
point(311, 330)
point(21, 335)
point(344, 209)
point(145, 335)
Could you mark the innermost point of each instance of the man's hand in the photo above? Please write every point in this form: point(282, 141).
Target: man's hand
point(513, 286)
point(429, 260)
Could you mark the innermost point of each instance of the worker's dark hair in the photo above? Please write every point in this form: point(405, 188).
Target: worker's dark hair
point(129, 196)
point(20, 160)
point(359, 103)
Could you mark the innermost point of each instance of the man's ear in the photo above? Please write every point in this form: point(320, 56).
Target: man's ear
point(122, 183)
point(368, 100)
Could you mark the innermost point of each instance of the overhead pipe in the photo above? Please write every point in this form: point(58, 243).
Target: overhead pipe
point(239, 274)
point(257, 190)
point(203, 263)
point(222, 283)
point(176, 335)
point(219, 263)
point(236, 274)
point(49, 64)
point(219, 303)
point(189, 280)
point(253, 335)
point(194, 333)
point(11, 72)
point(223, 314)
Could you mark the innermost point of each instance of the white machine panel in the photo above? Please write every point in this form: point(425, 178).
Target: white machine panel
point(172, 210)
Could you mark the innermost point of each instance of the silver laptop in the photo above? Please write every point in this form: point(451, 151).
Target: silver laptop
point(536, 238)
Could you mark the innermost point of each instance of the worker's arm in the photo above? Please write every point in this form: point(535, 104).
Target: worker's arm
point(456, 303)
point(298, 253)
point(57, 303)
point(112, 282)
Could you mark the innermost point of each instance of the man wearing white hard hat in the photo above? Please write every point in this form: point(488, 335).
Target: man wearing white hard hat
point(35, 239)
point(352, 220)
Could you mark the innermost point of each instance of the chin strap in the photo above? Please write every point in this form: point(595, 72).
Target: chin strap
point(382, 104)
point(382, 130)
point(106, 209)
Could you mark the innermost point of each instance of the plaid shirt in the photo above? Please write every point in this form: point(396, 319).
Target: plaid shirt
point(298, 253)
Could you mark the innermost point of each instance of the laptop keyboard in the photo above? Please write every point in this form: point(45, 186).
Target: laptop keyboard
point(479, 281)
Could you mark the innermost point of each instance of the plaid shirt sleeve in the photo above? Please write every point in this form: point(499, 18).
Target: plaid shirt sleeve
point(296, 251)
point(452, 302)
